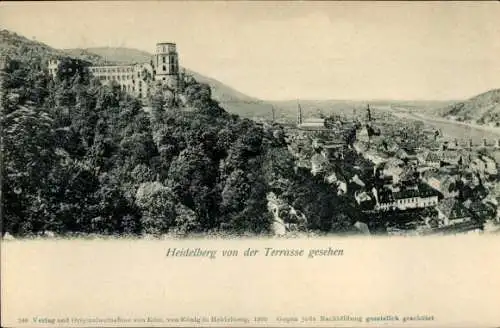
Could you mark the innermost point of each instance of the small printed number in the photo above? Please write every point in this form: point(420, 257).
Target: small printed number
point(22, 320)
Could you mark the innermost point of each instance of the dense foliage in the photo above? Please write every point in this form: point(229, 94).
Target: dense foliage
point(83, 157)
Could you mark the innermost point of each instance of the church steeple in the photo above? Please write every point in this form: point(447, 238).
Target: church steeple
point(299, 113)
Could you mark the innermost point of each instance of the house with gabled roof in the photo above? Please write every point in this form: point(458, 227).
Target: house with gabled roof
point(433, 160)
point(480, 210)
point(445, 183)
point(451, 211)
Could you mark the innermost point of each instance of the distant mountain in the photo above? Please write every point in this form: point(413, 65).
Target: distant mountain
point(114, 55)
point(231, 99)
point(481, 109)
point(14, 45)
point(484, 108)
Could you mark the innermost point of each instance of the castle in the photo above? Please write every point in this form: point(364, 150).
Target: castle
point(137, 79)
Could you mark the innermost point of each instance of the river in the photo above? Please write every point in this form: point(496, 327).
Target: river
point(452, 129)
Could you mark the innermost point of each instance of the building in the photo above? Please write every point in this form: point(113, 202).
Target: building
point(444, 183)
point(433, 160)
point(335, 150)
point(392, 169)
point(480, 210)
point(419, 195)
point(313, 124)
point(133, 79)
point(137, 79)
point(451, 212)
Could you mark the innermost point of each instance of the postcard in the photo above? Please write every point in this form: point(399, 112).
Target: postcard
point(250, 164)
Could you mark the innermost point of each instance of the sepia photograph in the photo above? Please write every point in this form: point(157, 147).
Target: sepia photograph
point(278, 130)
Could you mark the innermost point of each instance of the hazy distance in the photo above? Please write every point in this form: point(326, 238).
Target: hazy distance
point(289, 50)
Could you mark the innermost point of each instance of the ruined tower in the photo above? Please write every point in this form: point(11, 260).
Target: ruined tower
point(166, 64)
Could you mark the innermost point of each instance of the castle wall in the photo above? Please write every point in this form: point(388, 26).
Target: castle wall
point(122, 75)
point(137, 79)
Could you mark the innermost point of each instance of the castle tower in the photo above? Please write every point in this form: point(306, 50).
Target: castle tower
point(166, 64)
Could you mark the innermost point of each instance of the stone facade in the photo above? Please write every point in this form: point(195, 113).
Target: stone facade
point(137, 79)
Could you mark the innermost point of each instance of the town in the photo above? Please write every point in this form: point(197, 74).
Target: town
point(401, 177)
point(370, 169)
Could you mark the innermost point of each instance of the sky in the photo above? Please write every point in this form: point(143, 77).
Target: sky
point(289, 50)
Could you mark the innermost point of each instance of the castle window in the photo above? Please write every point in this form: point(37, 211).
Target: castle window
point(172, 65)
point(164, 68)
point(164, 59)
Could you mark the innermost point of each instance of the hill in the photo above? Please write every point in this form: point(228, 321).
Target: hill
point(15, 45)
point(482, 109)
point(84, 158)
point(229, 98)
point(114, 55)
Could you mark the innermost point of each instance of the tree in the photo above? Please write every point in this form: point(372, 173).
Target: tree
point(157, 204)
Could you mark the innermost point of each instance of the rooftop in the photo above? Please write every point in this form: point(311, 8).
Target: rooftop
point(420, 190)
point(453, 209)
